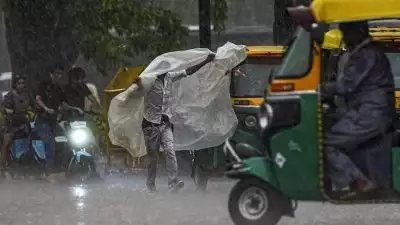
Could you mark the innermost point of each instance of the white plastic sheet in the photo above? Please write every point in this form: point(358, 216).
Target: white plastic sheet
point(201, 109)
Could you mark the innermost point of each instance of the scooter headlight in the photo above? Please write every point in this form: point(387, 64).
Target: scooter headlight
point(79, 136)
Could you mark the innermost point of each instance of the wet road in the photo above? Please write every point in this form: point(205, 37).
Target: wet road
point(124, 200)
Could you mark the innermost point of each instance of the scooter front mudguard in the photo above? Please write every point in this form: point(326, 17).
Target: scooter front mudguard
point(79, 154)
point(259, 167)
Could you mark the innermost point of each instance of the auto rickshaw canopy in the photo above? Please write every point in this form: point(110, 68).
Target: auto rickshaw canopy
point(124, 78)
point(335, 11)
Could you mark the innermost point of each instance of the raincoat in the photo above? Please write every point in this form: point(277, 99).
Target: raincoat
point(365, 94)
point(202, 113)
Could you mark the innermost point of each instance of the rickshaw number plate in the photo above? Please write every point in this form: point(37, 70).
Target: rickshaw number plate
point(280, 160)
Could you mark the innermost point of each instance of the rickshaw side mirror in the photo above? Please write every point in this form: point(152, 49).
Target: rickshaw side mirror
point(318, 31)
point(333, 39)
point(302, 16)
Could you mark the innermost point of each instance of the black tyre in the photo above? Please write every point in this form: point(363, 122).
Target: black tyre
point(253, 202)
point(200, 178)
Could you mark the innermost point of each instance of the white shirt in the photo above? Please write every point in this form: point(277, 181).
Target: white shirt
point(157, 100)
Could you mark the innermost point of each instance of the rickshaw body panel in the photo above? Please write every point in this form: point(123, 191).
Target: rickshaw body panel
point(247, 101)
point(296, 150)
point(256, 167)
point(332, 11)
point(246, 136)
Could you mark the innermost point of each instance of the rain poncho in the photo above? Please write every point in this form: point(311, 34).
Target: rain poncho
point(200, 104)
point(365, 92)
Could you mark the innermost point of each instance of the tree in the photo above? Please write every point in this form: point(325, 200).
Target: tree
point(110, 32)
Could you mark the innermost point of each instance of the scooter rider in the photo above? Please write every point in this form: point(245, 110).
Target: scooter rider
point(76, 90)
point(16, 105)
point(50, 97)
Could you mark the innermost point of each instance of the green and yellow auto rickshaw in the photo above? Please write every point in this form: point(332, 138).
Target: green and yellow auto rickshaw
point(247, 93)
point(289, 165)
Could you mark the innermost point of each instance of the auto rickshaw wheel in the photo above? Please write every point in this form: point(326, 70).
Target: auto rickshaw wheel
point(253, 202)
point(200, 178)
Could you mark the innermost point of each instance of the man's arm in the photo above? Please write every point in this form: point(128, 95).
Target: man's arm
point(193, 69)
point(41, 104)
point(70, 107)
point(87, 93)
point(94, 101)
point(189, 71)
point(39, 99)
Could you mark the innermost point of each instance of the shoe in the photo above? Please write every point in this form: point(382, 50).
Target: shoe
point(365, 185)
point(176, 186)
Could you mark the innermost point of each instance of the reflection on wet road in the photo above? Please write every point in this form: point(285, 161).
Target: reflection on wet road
point(118, 200)
point(124, 200)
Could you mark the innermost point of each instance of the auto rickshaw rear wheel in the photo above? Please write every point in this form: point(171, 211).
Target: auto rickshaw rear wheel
point(253, 202)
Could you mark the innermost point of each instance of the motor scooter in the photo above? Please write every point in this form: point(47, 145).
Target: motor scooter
point(27, 149)
point(76, 147)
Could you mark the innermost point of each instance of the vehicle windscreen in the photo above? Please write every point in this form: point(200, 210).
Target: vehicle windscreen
point(257, 71)
point(298, 58)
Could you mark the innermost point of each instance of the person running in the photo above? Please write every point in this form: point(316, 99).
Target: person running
point(157, 127)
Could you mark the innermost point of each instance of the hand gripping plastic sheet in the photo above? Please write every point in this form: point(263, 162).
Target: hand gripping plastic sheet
point(200, 104)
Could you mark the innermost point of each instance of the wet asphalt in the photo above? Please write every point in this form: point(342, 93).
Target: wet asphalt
point(123, 199)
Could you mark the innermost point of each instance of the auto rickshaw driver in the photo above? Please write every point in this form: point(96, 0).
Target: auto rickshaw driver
point(365, 97)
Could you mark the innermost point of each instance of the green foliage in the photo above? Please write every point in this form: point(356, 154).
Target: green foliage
point(220, 14)
point(189, 11)
point(111, 32)
point(116, 30)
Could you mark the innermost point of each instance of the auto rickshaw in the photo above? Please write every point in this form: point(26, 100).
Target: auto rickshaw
point(289, 164)
point(247, 93)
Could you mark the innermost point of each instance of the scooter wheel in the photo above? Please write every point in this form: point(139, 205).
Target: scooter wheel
point(83, 170)
point(253, 202)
